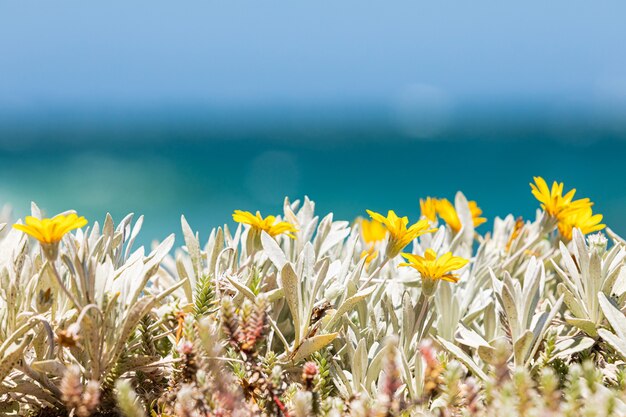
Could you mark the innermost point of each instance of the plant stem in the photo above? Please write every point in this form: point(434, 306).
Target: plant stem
point(376, 272)
point(63, 287)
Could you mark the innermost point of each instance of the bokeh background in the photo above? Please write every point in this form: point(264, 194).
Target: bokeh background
point(202, 107)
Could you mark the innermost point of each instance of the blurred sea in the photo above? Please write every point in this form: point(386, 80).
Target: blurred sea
point(205, 164)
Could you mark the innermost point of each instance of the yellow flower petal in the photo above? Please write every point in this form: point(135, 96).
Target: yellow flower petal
point(51, 231)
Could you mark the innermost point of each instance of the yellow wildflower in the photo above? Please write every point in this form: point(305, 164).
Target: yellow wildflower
point(49, 232)
point(372, 231)
point(428, 208)
point(369, 254)
point(448, 213)
point(433, 268)
point(399, 234)
point(268, 224)
point(583, 219)
point(553, 201)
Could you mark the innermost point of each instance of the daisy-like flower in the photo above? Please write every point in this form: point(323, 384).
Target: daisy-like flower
point(399, 234)
point(583, 219)
point(268, 224)
point(448, 213)
point(433, 268)
point(372, 232)
point(553, 201)
point(428, 208)
point(49, 232)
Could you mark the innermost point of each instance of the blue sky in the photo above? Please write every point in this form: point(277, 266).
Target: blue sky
point(421, 79)
point(146, 53)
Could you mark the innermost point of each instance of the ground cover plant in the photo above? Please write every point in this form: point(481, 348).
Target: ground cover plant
point(301, 315)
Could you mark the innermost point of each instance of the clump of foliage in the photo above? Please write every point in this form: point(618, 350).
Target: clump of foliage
point(302, 316)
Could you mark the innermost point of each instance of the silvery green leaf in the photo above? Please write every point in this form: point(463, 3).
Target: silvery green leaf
point(463, 358)
point(321, 275)
point(241, 288)
point(522, 346)
point(612, 279)
point(312, 345)
point(566, 257)
point(541, 327)
point(439, 402)
point(31, 390)
point(322, 231)
point(273, 251)
point(341, 382)
point(154, 259)
point(133, 236)
point(108, 228)
point(570, 285)
point(339, 231)
point(376, 364)
point(487, 354)
point(348, 305)
point(614, 316)
point(182, 273)
point(12, 355)
point(531, 292)
point(291, 288)
point(585, 325)
point(571, 301)
point(616, 343)
point(565, 348)
point(359, 365)
point(216, 249)
point(470, 338)
point(49, 366)
point(355, 276)
point(619, 287)
point(406, 371)
point(462, 208)
point(595, 284)
point(580, 249)
point(193, 247)
point(136, 313)
point(275, 295)
point(508, 303)
point(490, 321)
point(34, 210)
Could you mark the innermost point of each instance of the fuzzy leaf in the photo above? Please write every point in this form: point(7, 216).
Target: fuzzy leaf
point(616, 343)
point(12, 356)
point(348, 305)
point(291, 285)
point(242, 288)
point(273, 251)
point(463, 358)
point(571, 301)
point(312, 345)
point(522, 346)
point(615, 317)
point(359, 365)
point(585, 325)
point(193, 247)
point(570, 346)
point(508, 303)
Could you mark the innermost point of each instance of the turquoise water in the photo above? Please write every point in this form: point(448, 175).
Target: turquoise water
point(207, 172)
